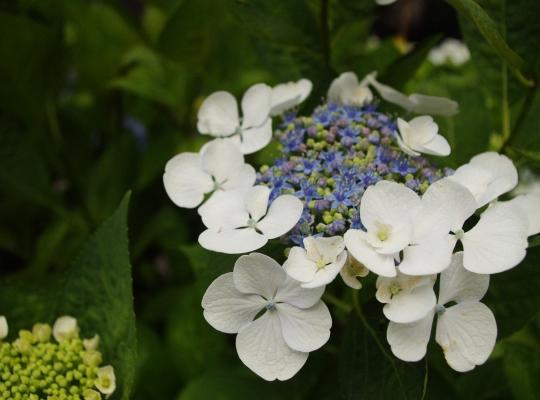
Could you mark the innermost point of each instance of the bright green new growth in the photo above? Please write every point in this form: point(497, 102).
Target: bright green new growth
point(37, 366)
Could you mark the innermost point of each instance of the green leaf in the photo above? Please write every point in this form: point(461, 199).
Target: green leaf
point(193, 343)
point(370, 371)
point(488, 29)
point(534, 241)
point(232, 384)
point(513, 296)
point(96, 289)
point(522, 367)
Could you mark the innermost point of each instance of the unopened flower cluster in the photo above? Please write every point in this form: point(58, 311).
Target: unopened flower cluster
point(351, 193)
point(53, 363)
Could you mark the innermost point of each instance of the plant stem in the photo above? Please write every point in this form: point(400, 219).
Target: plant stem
point(330, 298)
point(525, 108)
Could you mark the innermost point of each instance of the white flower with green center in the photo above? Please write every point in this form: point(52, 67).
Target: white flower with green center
point(65, 328)
point(487, 176)
point(466, 331)
point(406, 298)
point(496, 243)
point(106, 380)
point(318, 263)
point(294, 321)
point(420, 135)
point(288, 95)
point(219, 166)
point(240, 223)
point(387, 211)
point(218, 116)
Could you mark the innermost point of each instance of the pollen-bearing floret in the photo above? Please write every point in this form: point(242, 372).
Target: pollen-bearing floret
point(329, 160)
point(351, 193)
point(53, 363)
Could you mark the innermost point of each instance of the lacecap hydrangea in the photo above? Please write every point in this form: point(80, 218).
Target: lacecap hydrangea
point(350, 193)
point(53, 363)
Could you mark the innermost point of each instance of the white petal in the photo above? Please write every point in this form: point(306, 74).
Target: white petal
point(261, 347)
point(227, 309)
point(305, 329)
point(224, 210)
point(288, 95)
point(498, 241)
point(428, 257)
point(423, 130)
point(256, 105)
point(65, 328)
point(351, 271)
point(292, 293)
point(233, 241)
point(218, 115)
point(327, 274)
point(446, 205)
point(388, 203)
point(298, 266)
point(259, 274)
point(409, 341)
point(391, 95)
point(433, 105)
point(4, 330)
point(359, 248)
point(340, 85)
point(256, 201)
point(529, 204)
point(185, 181)
point(282, 216)
point(457, 284)
point(467, 333)
point(410, 306)
point(256, 138)
point(242, 181)
point(326, 249)
point(487, 176)
point(438, 146)
point(221, 159)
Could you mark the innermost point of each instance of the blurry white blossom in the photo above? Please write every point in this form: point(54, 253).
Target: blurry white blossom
point(450, 51)
point(276, 344)
point(346, 89)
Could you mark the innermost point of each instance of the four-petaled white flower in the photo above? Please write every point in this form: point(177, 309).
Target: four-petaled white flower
point(387, 211)
point(487, 176)
point(240, 223)
point(466, 331)
point(288, 95)
point(406, 298)
point(218, 116)
point(351, 271)
point(420, 135)
point(318, 263)
point(346, 89)
point(4, 330)
point(416, 103)
point(218, 166)
point(295, 321)
point(496, 243)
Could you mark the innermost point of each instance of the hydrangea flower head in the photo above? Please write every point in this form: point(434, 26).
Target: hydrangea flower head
point(332, 157)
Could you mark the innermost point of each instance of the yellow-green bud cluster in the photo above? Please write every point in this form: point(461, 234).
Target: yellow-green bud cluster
point(37, 366)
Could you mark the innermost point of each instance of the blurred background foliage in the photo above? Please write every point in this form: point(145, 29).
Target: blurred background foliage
point(96, 96)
